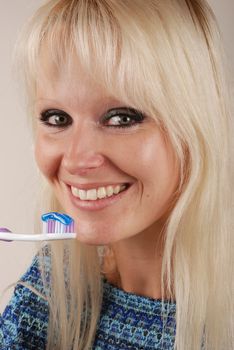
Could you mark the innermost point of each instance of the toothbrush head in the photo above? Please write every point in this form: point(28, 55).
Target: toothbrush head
point(54, 222)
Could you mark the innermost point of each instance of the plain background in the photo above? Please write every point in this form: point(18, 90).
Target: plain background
point(18, 184)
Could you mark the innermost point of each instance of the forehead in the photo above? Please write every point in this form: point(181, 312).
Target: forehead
point(70, 82)
point(71, 87)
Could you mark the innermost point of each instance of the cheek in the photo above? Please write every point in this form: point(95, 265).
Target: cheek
point(47, 156)
point(148, 158)
point(134, 154)
point(154, 164)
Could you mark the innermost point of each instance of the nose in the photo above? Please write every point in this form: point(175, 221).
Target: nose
point(83, 153)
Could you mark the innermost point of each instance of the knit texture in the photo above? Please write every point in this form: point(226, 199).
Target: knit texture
point(127, 321)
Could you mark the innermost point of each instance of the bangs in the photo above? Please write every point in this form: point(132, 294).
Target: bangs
point(105, 40)
point(85, 32)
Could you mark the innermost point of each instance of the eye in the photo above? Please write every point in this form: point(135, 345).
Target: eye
point(122, 117)
point(55, 118)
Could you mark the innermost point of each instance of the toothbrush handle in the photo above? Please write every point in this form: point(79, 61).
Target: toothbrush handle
point(36, 237)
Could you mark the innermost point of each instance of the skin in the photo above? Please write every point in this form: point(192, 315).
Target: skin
point(90, 152)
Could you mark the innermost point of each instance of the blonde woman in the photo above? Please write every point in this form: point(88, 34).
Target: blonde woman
point(131, 124)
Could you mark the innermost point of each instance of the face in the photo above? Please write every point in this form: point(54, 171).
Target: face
point(110, 166)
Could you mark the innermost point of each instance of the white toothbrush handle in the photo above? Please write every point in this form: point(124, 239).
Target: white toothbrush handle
point(38, 237)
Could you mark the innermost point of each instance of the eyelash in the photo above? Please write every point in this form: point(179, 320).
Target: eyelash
point(134, 117)
point(46, 115)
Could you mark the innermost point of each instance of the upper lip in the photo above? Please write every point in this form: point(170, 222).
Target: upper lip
point(88, 186)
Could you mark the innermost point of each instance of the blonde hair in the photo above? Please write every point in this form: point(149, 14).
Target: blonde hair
point(162, 57)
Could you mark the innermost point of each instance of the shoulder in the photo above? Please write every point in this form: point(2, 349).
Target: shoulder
point(25, 320)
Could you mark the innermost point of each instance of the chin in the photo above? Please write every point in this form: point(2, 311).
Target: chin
point(90, 235)
point(94, 241)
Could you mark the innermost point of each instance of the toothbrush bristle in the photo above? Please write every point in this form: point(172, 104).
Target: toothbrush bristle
point(57, 223)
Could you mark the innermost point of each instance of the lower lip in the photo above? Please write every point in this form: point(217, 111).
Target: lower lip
point(97, 204)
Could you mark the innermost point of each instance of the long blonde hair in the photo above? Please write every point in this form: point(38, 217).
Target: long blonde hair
point(162, 57)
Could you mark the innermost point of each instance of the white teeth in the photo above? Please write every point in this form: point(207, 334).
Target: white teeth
point(82, 194)
point(75, 191)
point(109, 191)
point(91, 195)
point(99, 193)
point(117, 189)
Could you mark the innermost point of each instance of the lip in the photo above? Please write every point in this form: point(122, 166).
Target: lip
point(99, 204)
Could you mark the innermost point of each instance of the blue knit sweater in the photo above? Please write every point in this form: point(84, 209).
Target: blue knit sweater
point(127, 321)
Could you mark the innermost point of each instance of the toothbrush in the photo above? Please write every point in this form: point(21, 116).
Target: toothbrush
point(56, 226)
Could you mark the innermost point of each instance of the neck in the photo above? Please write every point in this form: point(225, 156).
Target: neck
point(138, 262)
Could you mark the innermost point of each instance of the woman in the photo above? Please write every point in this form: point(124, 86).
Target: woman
point(131, 134)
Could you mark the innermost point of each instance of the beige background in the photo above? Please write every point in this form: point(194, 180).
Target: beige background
point(18, 171)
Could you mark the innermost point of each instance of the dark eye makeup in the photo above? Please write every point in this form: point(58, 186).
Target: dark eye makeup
point(55, 118)
point(121, 117)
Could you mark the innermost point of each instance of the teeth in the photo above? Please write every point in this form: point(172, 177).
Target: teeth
point(75, 191)
point(109, 191)
point(91, 195)
point(117, 189)
point(82, 194)
point(99, 193)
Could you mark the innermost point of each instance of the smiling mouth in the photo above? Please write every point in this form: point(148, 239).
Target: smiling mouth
point(95, 194)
